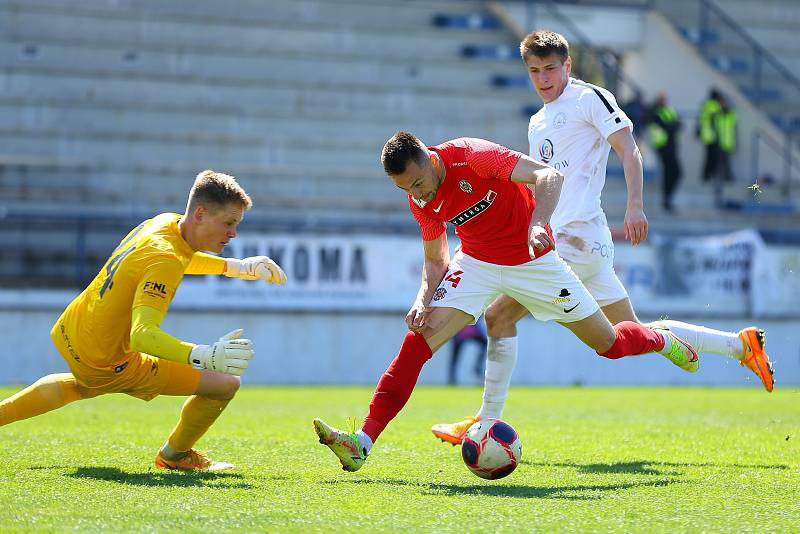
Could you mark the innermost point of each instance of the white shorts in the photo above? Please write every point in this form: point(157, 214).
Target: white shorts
point(588, 248)
point(546, 286)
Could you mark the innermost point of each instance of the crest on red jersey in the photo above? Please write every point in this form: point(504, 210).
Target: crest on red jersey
point(465, 186)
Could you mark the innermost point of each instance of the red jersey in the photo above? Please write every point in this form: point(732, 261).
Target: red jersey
point(491, 213)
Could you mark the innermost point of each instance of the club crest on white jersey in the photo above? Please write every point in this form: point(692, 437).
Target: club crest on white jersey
point(546, 151)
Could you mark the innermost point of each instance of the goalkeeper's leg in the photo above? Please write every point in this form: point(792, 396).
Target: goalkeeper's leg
point(200, 411)
point(46, 394)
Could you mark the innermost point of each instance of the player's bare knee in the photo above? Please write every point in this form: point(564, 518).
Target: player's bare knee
point(605, 346)
point(501, 318)
point(604, 342)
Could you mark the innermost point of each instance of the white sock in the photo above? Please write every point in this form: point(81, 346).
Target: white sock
point(365, 440)
point(707, 339)
point(667, 343)
point(171, 454)
point(500, 362)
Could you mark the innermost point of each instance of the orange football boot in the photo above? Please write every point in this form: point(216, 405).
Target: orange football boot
point(193, 461)
point(454, 432)
point(753, 340)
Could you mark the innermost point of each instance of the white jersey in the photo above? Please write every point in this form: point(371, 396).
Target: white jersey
point(570, 133)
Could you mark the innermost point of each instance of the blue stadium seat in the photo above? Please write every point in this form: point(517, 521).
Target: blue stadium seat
point(765, 93)
point(730, 64)
point(527, 111)
point(751, 206)
point(474, 21)
point(781, 236)
point(490, 51)
point(698, 36)
point(510, 81)
point(786, 123)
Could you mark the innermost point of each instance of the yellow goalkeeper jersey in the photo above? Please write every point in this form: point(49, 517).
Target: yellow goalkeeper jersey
point(144, 270)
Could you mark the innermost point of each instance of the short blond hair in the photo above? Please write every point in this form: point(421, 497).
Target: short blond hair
point(544, 43)
point(214, 190)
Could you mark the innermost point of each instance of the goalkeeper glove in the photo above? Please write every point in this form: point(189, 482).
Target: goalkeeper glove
point(255, 268)
point(230, 354)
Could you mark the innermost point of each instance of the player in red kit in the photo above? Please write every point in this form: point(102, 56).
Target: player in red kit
point(500, 202)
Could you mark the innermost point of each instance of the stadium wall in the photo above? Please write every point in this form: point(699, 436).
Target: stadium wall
point(339, 320)
point(355, 347)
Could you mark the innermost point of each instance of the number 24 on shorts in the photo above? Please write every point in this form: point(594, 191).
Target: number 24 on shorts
point(454, 278)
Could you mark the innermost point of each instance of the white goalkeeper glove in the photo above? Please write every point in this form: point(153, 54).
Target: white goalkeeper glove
point(255, 268)
point(230, 354)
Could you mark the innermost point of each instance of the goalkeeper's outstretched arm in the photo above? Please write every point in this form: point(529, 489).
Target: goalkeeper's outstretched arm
point(229, 354)
point(253, 268)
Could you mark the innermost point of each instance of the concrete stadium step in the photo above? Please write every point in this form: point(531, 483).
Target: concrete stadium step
point(296, 99)
point(251, 69)
point(739, 52)
point(121, 104)
point(777, 14)
point(764, 13)
point(777, 40)
point(338, 13)
point(268, 149)
point(33, 26)
point(103, 148)
point(146, 184)
point(189, 125)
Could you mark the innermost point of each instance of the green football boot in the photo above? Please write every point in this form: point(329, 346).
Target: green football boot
point(680, 353)
point(345, 445)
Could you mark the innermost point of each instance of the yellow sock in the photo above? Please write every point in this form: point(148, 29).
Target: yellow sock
point(47, 393)
point(197, 415)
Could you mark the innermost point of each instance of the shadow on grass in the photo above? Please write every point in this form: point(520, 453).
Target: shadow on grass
point(646, 467)
point(162, 478)
point(575, 493)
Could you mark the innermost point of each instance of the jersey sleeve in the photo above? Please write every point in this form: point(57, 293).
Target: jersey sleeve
point(158, 283)
point(202, 263)
point(491, 160)
point(600, 109)
point(429, 227)
point(147, 336)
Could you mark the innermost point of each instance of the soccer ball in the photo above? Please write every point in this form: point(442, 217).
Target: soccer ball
point(491, 449)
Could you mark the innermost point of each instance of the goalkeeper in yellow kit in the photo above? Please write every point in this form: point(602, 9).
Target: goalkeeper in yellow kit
point(110, 335)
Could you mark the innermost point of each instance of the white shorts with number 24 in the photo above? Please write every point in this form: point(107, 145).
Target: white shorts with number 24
point(546, 286)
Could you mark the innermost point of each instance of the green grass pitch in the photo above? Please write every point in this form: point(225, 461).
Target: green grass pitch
point(594, 459)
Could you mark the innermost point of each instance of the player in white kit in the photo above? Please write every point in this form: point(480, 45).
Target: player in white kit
point(574, 133)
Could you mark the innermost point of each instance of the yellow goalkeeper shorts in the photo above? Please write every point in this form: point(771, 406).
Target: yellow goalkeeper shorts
point(136, 374)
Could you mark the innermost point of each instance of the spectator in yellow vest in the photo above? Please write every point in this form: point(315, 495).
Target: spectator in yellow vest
point(664, 126)
point(707, 133)
point(727, 136)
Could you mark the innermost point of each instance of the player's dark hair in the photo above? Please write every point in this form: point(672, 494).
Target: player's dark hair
point(544, 43)
point(214, 190)
point(399, 150)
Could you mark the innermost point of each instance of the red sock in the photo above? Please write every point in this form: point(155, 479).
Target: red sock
point(396, 384)
point(633, 338)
